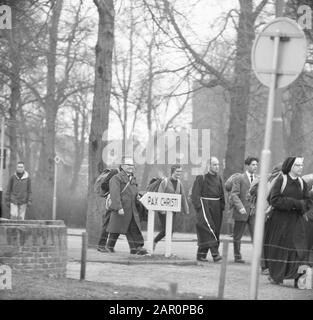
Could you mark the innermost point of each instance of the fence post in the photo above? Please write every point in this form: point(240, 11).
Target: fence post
point(83, 256)
point(222, 279)
point(173, 290)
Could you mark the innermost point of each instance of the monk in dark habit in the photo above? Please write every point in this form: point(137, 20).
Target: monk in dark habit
point(209, 202)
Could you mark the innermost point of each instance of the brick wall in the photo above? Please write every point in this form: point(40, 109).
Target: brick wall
point(34, 246)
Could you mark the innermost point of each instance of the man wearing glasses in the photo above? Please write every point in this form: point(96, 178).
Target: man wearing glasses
point(125, 217)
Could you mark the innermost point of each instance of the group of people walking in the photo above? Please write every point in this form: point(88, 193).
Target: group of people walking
point(288, 239)
point(288, 232)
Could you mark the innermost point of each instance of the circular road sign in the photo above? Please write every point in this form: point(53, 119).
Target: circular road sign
point(291, 56)
point(57, 159)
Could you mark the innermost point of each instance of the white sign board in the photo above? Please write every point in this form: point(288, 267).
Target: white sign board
point(158, 201)
point(292, 52)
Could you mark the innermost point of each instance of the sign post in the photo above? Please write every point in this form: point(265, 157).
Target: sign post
point(150, 230)
point(275, 65)
point(57, 159)
point(168, 233)
point(157, 201)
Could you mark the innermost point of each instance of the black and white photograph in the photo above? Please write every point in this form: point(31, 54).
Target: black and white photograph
point(156, 151)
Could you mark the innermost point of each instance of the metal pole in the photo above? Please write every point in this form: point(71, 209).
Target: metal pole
point(277, 147)
point(265, 163)
point(221, 284)
point(55, 191)
point(2, 153)
point(168, 233)
point(150, 231)
point(1, 164)
point(83, 256)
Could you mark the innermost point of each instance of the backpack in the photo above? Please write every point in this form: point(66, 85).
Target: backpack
point(282, 188)
point(228, 186)
point(101, 186)
point(154, 184)
point(230, 180)
point(283, 185)
point(108, 200)
point(190, 190)
point(308, 178)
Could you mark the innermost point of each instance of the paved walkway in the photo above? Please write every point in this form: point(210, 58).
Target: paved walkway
point(201, 279)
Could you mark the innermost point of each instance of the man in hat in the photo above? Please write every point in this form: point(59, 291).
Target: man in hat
point(125, 217)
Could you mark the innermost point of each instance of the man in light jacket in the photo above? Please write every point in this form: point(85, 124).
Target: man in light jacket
point(18, 195)
point(171, 185)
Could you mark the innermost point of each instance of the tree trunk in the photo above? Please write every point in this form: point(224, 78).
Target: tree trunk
point(15, 59)
point(25, 141)
point(45, 175)
point(147, 166)
point(239, 92)
point(79, 148)
point(295, 139)
point(100, 109)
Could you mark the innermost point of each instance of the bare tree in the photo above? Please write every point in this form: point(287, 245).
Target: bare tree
point(237, 84)
point(101, 105)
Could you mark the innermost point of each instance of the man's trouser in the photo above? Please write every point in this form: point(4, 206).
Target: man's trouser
point(133, 235)
point(104, 233)
point(239, 229)
point(17, 211)
point(161, 234)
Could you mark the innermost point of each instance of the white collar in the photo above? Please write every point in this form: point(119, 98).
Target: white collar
point(24, 176)
point(249, 175)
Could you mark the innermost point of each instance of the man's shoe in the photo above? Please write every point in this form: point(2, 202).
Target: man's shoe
point(202, 259)
point(142, 252)
point(265, 272)
point(272, 281)
point(103, 249)
point(217, 258)
point(133, 251)
point(239, 260)
point(111, 250)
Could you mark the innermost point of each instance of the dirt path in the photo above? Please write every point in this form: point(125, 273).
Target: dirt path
point(201, 280)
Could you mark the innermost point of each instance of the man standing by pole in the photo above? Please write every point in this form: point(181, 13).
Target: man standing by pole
point(18, 195)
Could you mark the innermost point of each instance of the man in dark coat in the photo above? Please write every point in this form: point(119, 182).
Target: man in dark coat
point(18, 195)
point(242, 211)
point(209, 202)
point(125, 217)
